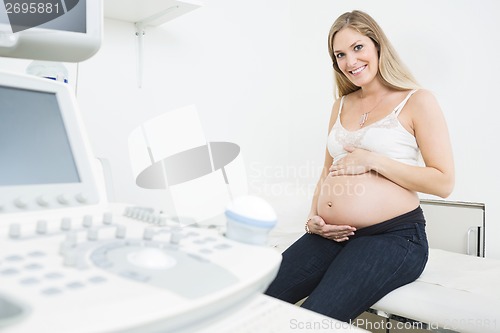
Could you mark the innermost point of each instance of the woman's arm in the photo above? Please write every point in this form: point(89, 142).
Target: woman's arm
point(429, 126)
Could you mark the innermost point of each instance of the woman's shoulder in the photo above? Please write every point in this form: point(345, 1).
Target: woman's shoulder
point(422, 97)
point(423, 103)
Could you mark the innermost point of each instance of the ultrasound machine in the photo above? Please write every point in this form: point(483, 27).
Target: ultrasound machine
point(70, 261)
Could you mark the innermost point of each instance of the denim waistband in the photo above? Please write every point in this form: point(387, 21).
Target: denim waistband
point(414, 216)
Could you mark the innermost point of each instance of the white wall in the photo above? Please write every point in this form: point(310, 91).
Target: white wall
point(260, 75)
point(228, 58)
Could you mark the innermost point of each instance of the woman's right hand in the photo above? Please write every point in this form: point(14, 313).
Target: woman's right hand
point(338, 233)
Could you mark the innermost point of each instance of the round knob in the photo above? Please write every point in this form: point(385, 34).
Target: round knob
point(66, 223)
point(15, 230)
point(151, 258)
point(41, 227)
point(107, 218)
point(81, 198)
point(87, 221)
point(42, 201)
point(20, 203)
point(62, 199)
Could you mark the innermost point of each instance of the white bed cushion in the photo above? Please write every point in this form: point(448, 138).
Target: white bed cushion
point(455, 291)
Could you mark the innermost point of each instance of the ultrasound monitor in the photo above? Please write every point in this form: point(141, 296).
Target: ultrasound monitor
point(63, 30)
point(44, 159)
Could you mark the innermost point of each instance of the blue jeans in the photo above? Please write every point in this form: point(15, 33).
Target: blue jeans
point(342, 280)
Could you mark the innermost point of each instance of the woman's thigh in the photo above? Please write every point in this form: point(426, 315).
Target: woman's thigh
point(367, 269)
point(303, 266)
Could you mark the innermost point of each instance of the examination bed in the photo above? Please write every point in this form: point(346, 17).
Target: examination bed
point(455, 292)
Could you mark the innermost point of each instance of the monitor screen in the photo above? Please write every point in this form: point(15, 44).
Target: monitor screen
point(53, 30)
point(34, 145)
point(62, 15)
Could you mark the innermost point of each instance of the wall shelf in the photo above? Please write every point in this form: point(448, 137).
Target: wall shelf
point(148, 12)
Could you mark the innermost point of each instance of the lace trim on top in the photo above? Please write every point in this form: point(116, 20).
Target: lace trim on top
point(355, 138)
point(398, 143)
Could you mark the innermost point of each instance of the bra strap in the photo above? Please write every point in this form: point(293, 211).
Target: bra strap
point(341, 104)
point(403, 103)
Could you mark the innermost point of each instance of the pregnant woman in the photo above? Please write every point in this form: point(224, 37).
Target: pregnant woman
point(388, 139)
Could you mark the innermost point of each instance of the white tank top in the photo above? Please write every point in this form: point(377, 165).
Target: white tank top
point(386, 136)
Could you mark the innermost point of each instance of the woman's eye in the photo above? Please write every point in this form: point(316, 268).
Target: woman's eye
point(339, 55)
point(358, 47)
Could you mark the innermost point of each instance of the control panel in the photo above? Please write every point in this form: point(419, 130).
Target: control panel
point(70, 262)
point(120, 270)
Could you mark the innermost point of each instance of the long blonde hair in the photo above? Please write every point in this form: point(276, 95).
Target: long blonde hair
point(392, 72)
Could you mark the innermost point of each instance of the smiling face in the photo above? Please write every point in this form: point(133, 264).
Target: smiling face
point(356, 56)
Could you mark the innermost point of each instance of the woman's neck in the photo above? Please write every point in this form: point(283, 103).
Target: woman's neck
point(373, 90)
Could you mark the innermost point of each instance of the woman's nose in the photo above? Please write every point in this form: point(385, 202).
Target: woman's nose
point(352, 60)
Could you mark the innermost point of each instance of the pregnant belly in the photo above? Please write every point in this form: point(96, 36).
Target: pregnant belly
point(363, 200)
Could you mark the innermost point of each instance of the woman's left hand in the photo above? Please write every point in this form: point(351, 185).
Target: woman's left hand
point(356, 162)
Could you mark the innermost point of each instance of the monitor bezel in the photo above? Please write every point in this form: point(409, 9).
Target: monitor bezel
point(80, 148)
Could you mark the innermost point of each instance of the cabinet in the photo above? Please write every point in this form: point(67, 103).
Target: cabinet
point(455, 226)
